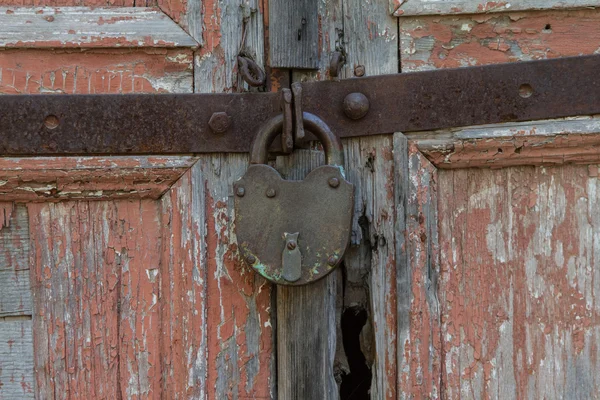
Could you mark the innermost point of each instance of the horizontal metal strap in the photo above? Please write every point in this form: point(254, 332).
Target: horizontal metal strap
point(410, 102)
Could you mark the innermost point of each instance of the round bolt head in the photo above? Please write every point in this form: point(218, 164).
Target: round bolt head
point(240, 191)
point(334, 182)
point(359, 70)
point(271, 192)
point(291, 245)
point(332, 260)
point(356, 105)
point(250, 259)
point(219, 122)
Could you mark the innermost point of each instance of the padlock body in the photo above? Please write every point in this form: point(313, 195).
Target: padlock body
point(319, 208)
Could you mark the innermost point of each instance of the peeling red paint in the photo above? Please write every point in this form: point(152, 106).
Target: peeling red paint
point(456, 41)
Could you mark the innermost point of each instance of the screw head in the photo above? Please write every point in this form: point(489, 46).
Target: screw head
point(219, 122)
point(334, 182)
point(250, 259)
point(332, 260)
point(359, 70)
point(356, 105)
point(51, 122)
point(291, 245)
point(240, 191)
point(271, 192)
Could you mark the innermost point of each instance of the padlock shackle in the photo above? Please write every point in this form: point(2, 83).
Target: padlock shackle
point(334, 152)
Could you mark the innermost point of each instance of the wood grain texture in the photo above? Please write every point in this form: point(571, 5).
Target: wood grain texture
point(223, 25)
point(519, 282)
point(96, 299)
point(16, 358)
point(240, 356)
point(401, 8)
point(183, 280)
point(240, 341)
point(85, 27)
point(16, 347)
point(419, 353)
point(547, 142)
point(96, 71)
point(45, 179)
point(294, 39)
point(370, 38)
point(15, 293)
point(429, 42)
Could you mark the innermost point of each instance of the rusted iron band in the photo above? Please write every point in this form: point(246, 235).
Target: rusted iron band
point(179, 123)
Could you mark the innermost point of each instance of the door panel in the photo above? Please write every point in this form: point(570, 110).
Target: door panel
point(517, 275)
point(137, 289)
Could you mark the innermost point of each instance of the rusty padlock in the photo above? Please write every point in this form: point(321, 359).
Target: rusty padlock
point(294, 232)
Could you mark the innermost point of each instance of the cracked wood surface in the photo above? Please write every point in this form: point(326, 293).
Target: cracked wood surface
point(406, 8)
point(41, 179)
point(16, 347)
point(519, 282)
point(85, 27)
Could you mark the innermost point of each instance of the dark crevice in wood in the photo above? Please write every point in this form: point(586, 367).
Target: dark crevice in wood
point(357, 383)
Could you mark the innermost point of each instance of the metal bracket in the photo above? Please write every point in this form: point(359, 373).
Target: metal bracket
point(228, 122)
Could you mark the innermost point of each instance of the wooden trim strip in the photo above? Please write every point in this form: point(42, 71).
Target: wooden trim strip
point(548, 142)
point(404, 8)
point(89, 178)
point(85, 27)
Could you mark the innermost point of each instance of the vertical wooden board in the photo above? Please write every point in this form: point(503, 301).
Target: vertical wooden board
point(16, 347)
point(183, 283)
point(239, 329)
point(223, 25)
point(239, 335)
point(294, 40)
point(306, 340)
point(417, 249)
point(431, 42)
point(370, 167)
point(519, 282)
point(15, 293)
point(16, 358)
point(370, 39)
point(96, 326)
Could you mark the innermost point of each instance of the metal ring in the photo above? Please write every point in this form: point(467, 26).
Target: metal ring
point(334, 152)
point(251, 72)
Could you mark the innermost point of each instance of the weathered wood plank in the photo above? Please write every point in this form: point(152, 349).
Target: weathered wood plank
point(96, 71)
point(16, 358)
point(96, 321)
point(85, 27)
point(239, 333)
point(294, 39)
point(419, 354)
point(239, 329)
point(429, 42)
point(16, 347)
point(371, 40)
point(15, 291)
point(97, 178)
point(448, 7)
point(547, 142)
point(183, 280)
point(519, 282)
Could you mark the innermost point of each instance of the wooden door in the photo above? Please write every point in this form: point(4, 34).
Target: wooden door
point(111, 267)
point(472, 271)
